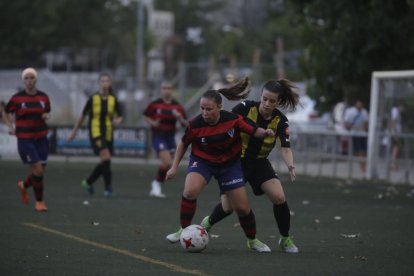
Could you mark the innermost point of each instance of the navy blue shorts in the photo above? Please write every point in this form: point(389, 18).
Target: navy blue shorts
point(229, 177)
point(162, 142)
point(359, 144)
point(33, 150)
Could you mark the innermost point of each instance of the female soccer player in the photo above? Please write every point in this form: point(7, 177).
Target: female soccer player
point(31, 109)
point(255, 152)
point(162, 115)
point(104, 112)
point(215, 141)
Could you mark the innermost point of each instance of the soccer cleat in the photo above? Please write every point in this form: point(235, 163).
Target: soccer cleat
point(287, 245)
point(24, 195)
point(108, 192)
point(156, 190)
point(40, 206)
point(257, 245)
point(205, 223)
point(174, 237)
point(87, 187)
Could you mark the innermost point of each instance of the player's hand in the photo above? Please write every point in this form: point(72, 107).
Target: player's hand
point(117, 121)
point(72, 136)
point(12, 130)
point(269, 132)
point(155, 123)
point(292, 173)
point(176, 113)
point(46, 116)
point(170, 173)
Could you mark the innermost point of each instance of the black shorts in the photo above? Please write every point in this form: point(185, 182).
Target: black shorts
point(99, 144)
point(359, 144)
point(256, 172)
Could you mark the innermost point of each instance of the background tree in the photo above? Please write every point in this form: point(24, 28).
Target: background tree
point(344, 41)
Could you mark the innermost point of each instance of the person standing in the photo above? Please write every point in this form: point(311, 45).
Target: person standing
point(31, 109)
point(104, 113)
point(396, 130)
point(214, 136)
point(356, 119)
point(162, 115)
point(255, 156)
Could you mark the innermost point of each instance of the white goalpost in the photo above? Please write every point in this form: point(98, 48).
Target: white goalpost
point(389, 88)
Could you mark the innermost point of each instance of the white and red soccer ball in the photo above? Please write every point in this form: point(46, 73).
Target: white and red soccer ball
point(194, 238)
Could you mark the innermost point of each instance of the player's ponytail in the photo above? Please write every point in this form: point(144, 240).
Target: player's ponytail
point(238, 91)
point(288, 98)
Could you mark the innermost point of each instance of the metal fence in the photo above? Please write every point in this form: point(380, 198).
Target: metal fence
point(330, 154)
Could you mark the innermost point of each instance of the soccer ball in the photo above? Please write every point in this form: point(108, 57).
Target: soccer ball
point(194, 238)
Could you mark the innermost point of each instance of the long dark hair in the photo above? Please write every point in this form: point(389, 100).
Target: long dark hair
point(288, 98)
point(240, 90)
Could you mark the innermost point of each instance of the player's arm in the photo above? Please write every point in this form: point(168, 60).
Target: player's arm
point(118, 118)
point(179, 153)
point(249, 127)
point(78, 123)
point(7, 118)
point(152, 122)
point(287, 156)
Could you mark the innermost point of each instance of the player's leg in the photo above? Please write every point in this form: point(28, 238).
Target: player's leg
point(274, 191)
point(156, 185)
point(239, 202)
point(105, 156)
point(194, 184)
point(221, 211)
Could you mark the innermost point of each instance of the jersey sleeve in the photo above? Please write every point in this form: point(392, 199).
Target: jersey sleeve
point(187, 137)
point(149, 111)
point(11, 106)
point(241, 109)
point(282, 132)
point(87, 108)
point(246, 125)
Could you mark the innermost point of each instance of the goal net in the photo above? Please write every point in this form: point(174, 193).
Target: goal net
point(391, 127)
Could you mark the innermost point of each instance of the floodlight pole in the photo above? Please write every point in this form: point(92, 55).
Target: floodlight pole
point(140, 45)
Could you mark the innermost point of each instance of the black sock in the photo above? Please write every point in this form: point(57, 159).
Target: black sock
point(107, 174)
point(97, 171)
point(248, 223)
point(282, 216)
point(218, 214)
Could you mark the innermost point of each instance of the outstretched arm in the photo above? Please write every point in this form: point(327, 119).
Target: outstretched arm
point(261, 132)
point(179, 153)
point(9, 122)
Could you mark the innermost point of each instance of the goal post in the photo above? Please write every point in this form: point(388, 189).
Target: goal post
point(387, 89)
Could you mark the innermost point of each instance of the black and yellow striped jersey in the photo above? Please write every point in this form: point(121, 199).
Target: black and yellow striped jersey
point(258, 148)
point(101, 112)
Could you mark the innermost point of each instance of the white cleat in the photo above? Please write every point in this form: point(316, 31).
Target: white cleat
point(156, 190)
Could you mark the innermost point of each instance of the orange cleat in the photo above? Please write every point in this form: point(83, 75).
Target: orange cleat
point(24, 195)
point(40, 206)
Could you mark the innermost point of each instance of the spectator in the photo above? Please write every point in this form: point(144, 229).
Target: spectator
point(356, 120)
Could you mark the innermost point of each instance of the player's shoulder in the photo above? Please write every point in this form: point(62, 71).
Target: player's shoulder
point(197, 122)
point(280, 114)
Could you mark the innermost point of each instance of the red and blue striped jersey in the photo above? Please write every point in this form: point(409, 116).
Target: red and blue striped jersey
point(28, 110)
point(219, 143)
point(160, 110)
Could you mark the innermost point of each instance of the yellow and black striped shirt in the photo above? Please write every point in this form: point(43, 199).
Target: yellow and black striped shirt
point(101, 112)
point(258, 148)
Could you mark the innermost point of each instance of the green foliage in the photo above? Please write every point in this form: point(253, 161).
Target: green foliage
point(345, 41)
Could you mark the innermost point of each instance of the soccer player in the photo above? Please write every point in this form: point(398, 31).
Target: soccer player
point(255, 153)
point(104, 112)
point(162, 115)
point(215, 141)
point(31, 109)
